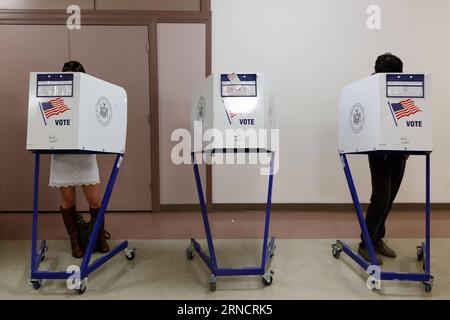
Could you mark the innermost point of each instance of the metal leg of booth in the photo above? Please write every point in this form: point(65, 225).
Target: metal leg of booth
point(85, 269)
point(428, 218)
point(211, 261)
point(423, 251)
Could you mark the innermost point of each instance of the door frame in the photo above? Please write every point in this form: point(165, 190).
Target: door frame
point(150, 19)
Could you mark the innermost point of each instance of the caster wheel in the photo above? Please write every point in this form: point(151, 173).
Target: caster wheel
point(81, 291)
point(267, 278)
point(36, 284)
point(212, 283)
point(189, 254)
point(130, 254)
point(336, 251)
point(428, 287)
point(268, 281)
point(83, 287)
point(420, 254)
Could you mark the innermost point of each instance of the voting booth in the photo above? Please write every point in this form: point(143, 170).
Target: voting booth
point(238, 102)
point(387, 113)
point(232, 113)
point(75, 111)
point(72, 112)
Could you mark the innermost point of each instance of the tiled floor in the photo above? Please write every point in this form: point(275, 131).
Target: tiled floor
point(304, 269)
point(303, 263)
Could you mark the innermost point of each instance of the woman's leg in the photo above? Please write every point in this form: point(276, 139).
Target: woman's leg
point(68, 196)
point(68, 211)
point(92, 194)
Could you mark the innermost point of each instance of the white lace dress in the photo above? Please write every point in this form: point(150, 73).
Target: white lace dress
point(73, 170)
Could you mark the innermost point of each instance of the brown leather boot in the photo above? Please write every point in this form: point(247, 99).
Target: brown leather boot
point(72, 230)
point(103, 246)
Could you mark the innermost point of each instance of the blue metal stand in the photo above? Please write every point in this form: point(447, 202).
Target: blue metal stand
point(210, 260)
point(423, 251)
point(85, 269)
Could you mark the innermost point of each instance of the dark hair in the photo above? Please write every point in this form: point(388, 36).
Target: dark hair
point(73, 66)
point(388, 63)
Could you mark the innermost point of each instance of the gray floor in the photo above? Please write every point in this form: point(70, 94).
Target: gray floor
point(304, 269)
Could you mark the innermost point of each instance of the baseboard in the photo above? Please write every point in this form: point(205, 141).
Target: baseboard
point(310, 207)
point(179, 207)
point(297, 207)
point(81, 211)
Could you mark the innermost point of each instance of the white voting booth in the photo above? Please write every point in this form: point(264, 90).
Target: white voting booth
point(232, 113)
point(389, 112)
point(75, 111)
point(235, 101)
point(72, 112)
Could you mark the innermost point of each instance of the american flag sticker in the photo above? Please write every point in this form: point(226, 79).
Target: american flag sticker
point(233, 114)
point(230, 115)
point(403, 109)
point(52, 108)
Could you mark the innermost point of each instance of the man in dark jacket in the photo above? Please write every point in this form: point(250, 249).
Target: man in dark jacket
point(387, 172)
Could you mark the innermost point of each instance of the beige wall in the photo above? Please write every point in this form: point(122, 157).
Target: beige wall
point(310, 49)
point(99, 48)
point(24, 49)
point(181, 65)
point(183, 54)
point(103, 4)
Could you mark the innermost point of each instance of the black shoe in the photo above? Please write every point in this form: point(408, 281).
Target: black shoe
point(365, 254)
point(382, 248)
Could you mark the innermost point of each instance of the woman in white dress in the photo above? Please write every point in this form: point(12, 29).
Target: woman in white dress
point(70, 170)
